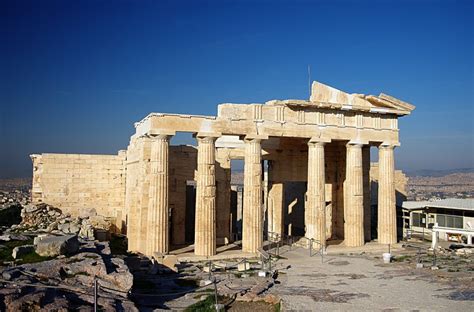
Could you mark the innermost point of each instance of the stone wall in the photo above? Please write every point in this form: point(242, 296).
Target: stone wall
point(401, 182)
point(77, 183)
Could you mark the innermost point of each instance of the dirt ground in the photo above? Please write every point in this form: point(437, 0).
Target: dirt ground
point(362, 282)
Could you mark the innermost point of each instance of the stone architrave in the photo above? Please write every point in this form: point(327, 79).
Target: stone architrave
point(157, 225)
point(205, 226)
point(252, 232)
point(315, 211)
point(387, 216)
point(354, 204)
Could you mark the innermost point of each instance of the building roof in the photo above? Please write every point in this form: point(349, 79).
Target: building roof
point(448, 203)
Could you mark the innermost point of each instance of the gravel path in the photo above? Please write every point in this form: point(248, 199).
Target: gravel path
point(362, 283)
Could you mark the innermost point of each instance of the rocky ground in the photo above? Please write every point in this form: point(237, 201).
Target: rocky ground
point(50, 262)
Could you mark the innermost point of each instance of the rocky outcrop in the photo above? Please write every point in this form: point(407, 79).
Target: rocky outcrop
point(45, 218)
point(51, 246)
point(72, 279)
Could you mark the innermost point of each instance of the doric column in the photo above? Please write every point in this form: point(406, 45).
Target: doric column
point(275, 208)
point(367, 198)
point(252, 232)
point(387, 215)
point(223, 189)
point(354, 205)
point(157, 223)
point(205, 227)
point(315, 210)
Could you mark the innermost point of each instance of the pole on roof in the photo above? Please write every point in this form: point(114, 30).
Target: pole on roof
point(309, 80)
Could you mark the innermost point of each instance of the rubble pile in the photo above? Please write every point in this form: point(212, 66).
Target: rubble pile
point(41, 246)
point(45, 218)
point(13, 197)
point(70, 281)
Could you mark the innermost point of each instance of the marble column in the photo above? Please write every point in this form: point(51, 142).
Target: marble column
point(252, 232)
point(353, 189)
point(367, 197)
point(205, 227)
point(223, 181)
point(315, 210)
point(157, 223)
point(387, 215)
point(275, 208)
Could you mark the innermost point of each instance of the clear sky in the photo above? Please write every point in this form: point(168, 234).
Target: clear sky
point(76, 75)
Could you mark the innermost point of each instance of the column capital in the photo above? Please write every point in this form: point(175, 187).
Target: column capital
point(357, 144)
point(387, 145)
point(212, 135)
point(253, 137)
point(318, 141)
point(206, 139)
point(160, 133)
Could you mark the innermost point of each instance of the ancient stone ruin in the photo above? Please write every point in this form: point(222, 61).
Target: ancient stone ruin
point(313, 154)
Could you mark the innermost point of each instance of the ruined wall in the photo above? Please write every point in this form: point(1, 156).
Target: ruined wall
point(77, 183)
point(401, 182)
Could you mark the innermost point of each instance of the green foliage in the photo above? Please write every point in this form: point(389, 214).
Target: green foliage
point(33, 257)
point(206, 305)
point(6, 253)
point(277, 307)
point(76, 274)
point(401, 258)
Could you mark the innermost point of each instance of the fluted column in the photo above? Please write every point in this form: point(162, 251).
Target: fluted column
point(367, 198)
point(157, 223)
point(205, 227)
point(315, 210)
point(354, 205)
point(387, 215)
point(252, 232)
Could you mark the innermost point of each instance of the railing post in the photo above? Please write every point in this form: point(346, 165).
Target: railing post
point(95, 293)
point(322, 254)
point(215, 294)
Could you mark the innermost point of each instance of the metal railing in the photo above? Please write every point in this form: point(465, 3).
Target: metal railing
point(314, 246)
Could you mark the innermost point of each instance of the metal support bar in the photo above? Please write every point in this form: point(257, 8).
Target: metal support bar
point(95, 293)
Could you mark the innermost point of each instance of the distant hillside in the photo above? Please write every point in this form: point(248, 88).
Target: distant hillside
point(436, 173)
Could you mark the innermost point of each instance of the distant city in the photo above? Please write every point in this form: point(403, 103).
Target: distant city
point(432, 185)
point(426, 184)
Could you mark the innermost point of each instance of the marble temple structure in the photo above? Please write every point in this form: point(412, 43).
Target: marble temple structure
point(163, 196)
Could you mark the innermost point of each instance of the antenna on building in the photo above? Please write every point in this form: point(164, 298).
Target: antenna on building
point(309, 80)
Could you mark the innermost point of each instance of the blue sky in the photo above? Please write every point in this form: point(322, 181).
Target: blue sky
point(76, 75)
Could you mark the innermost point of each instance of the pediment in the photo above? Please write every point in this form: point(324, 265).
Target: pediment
point(321, 93)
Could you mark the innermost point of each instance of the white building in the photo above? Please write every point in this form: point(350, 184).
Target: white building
point(449, 219)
